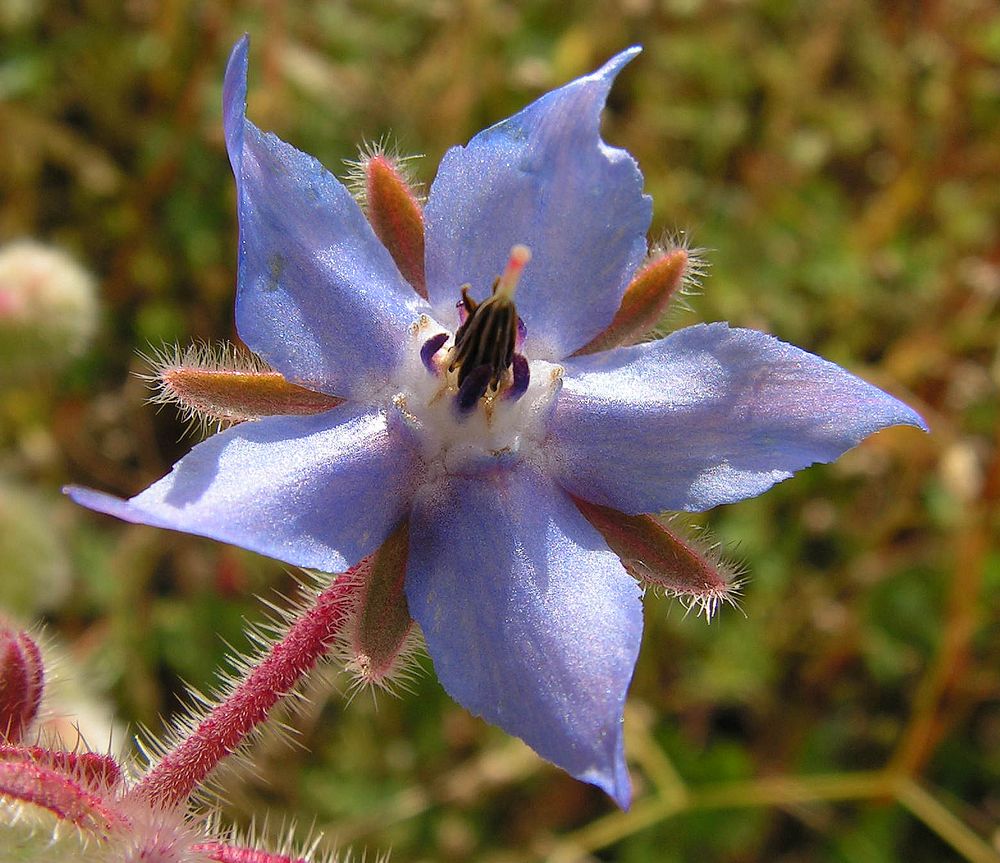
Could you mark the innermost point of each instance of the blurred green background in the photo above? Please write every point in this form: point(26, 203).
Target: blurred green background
point(841, 162)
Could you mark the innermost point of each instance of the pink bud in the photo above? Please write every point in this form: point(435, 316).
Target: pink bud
point(22, 681)
point(92, 770)
point(224, 853)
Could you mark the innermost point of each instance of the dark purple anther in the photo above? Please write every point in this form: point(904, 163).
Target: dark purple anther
point(473, 387)
point(522, 377)
point(522, 332)
point(430, 348)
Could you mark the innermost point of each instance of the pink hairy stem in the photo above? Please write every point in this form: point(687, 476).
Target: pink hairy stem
point(178, 773)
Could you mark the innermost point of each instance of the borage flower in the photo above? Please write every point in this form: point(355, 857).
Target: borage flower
point(482, 415)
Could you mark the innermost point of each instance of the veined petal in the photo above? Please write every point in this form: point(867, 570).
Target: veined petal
point(316, 491)
point(531, 620)
point(706, 416)
point(545, 179)
point(319, 297)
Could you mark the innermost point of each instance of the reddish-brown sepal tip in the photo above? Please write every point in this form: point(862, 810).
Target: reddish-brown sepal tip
point(662, 558)
point(22, 683)
point(645, 301)
point(224, 385)
point(396, 216)
point(379, 641)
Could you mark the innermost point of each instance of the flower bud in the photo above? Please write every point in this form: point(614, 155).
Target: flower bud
point(22, 683)
point(48, 309)
point(64, 795)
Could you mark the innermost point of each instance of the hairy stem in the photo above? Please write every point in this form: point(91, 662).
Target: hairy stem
point(178, 773)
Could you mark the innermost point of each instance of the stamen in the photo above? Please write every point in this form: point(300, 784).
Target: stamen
point(488, 335)
point(506, 285)
point(473, 388)
point(521, 378)
point(430, 348)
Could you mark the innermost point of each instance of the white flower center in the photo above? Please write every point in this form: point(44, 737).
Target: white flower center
point(496, 430)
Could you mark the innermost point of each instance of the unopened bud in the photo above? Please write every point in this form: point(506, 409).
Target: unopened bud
point(22, 683)
point(63, 795)
point(94, 771)
point(48, 309)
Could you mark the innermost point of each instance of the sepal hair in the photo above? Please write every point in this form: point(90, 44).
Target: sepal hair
point(386, 148)
point(216, 386)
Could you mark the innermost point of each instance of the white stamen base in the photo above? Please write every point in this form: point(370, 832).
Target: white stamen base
point(498, 430)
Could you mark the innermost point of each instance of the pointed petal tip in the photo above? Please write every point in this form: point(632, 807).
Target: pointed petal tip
point(916, 420)
point(622, 793)
point(894, 412)
point(234, 98)
point(101, 502)
point(236, 67)
point(616, 783)
point(622, 58)
point(610, 70)
point(77, 493)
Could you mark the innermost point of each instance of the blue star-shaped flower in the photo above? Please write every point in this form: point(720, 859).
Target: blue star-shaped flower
point(479, 436)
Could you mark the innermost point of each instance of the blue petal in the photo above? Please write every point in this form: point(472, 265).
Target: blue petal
point(543, 178)
point(319, 491)
point(319, 297)
point(530, 619)
point(706, 416)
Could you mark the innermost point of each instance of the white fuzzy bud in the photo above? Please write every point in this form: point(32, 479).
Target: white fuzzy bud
point(48, 309)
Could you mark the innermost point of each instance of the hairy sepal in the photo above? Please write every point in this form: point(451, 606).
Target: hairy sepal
point(381, 635)
point(61, 794)
point(662, 558)
point(222, 386)
point(22, 683)
point(645, 301)
point(380, 180)
point(91, 770)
